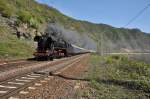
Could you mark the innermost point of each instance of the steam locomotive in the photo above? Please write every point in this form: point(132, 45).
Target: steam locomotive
point(49, 48)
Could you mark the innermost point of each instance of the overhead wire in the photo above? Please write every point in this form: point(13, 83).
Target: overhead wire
point(137, 15)
point(130, 21)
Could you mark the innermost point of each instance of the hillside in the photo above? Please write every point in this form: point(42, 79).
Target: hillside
point(28, 16)
point(13, 48)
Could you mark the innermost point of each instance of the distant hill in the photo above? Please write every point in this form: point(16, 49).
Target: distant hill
point(40, 17)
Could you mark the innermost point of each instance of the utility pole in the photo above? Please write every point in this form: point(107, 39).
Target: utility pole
point(98, 45)
point(101, 44)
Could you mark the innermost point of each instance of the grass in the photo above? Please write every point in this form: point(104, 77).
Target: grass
point(13, 48)
point(117, 77)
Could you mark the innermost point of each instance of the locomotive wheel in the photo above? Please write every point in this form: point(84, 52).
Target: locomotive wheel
point(37, 58)
point(49, 58)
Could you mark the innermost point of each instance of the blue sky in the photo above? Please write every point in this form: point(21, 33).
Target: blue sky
point(113, 12)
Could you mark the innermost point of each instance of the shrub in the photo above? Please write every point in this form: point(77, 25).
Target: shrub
point(24, 16)
point(33, 23)
point(27, 17)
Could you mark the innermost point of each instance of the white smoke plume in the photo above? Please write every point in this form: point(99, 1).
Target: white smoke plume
point(59, 32)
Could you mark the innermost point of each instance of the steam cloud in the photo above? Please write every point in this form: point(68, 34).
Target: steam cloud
point(59, 32)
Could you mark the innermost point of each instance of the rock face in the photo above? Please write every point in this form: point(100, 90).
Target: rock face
point(21, 31)
point(9, 23)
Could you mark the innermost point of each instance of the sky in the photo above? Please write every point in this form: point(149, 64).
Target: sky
point(116, 13)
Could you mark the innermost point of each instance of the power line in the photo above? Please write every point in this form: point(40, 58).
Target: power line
point(137, 15)
point(130, 21)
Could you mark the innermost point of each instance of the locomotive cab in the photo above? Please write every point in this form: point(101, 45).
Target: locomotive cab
point(44, 48)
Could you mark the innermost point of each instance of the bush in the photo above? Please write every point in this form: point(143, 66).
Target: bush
point(27, 17)
point(119, 77)
point(24, 16)
point(33, 23)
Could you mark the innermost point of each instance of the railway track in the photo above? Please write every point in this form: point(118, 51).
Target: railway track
point(7, 72)
point(16, 85)
point(7, 62)
point(15, 64)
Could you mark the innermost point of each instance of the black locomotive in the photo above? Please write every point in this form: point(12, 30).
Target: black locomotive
point(48, 48)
